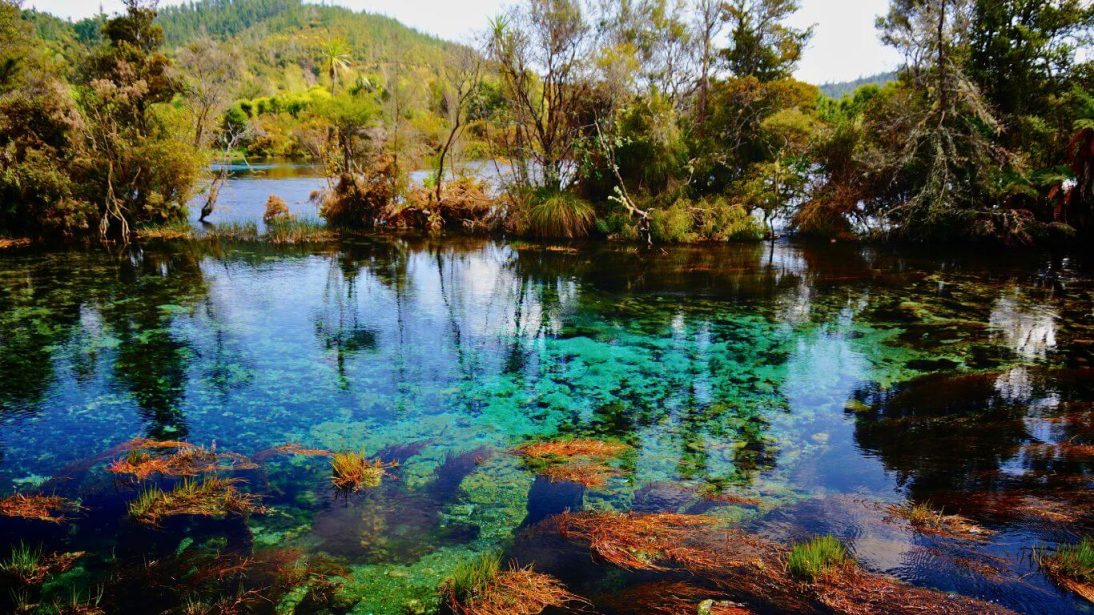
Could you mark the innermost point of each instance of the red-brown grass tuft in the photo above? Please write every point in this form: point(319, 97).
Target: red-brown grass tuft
point(51, 508)
point(589, 474)
point(517, 591)
point(571, 448)
point(212, 497)
point(177, 459)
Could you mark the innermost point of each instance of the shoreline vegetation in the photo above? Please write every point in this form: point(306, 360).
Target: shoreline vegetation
point(651, 123)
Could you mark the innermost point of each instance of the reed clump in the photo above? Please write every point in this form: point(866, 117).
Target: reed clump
point(566, 449)
point(639, 541)
point(277, 210)
point(49, 508)
point(211, 497)
point(353, 471)
point(482, 588)
point(816, 557)
point(1071, 566)
point(146, 458)
point(29, 566)
point(923, 518)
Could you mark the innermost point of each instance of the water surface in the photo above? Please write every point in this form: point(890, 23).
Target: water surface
point(826, 381)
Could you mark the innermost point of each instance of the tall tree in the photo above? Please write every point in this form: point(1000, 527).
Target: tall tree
point(761, 43)
point(209, 73)
point(542, 52)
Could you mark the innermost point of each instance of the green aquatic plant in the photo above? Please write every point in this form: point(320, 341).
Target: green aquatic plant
point(211, 497)
point(815, 557)
point(1072, 566)
point(352, 471)
point(471, 576)
point(24, 562)
point(30, 566)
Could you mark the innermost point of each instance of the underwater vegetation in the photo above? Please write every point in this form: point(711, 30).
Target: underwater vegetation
point(736, 566)
point(51, 508)
point(175, 459)
point(353, 471)
point(675, 424)
point(209, 497)
point(30, 566)
point(923, 518)
point(482, 587)
point(1072, 566)
point(580, 461)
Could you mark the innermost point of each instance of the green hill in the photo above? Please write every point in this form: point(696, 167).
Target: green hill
point(282, 40)
point(839, 90)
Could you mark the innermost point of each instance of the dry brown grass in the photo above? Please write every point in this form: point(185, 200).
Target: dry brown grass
point(638, 542)
point(571, 448)
point(852, 591)
point(925, 519)
point(352, 471)
point(744, 567)
point(670, 598)
point(50, 508)
point(178, 459)
point(212, 497)
point(517, 591)
point(589, 474)
point(277, 210)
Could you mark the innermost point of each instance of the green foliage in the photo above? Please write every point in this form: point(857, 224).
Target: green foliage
point(814, 558)
point(707, 219)
point(762, 45)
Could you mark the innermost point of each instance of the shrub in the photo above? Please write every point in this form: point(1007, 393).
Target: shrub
point(464, 203)
point(361, 200)
point(688, 221)
point(559, 215)
point(276, 210)
point(814, 558)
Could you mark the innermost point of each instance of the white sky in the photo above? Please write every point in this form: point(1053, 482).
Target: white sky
point(845, 45)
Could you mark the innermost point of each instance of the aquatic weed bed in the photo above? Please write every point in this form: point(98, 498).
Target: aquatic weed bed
point(170, 415)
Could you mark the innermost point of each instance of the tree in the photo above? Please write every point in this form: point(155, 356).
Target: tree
point(463, 78)
point(938, 136)
point(136, 160)
point(209, 73)
point(542, 53)
point(336, 59)
point(708, 25)
point(762, 45)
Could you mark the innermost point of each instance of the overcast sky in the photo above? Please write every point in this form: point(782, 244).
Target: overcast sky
point(845, 45)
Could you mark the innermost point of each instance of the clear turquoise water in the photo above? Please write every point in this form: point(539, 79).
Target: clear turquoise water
point(827, 381)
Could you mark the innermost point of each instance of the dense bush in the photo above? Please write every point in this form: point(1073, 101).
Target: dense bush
point(688, 221)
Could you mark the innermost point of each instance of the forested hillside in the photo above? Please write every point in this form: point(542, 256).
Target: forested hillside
point(844, 88)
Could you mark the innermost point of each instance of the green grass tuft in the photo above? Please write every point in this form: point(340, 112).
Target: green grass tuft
point(23, 562)
point(1076, 561)
point(560, 216)
point(470, 577)
point(812, 559)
